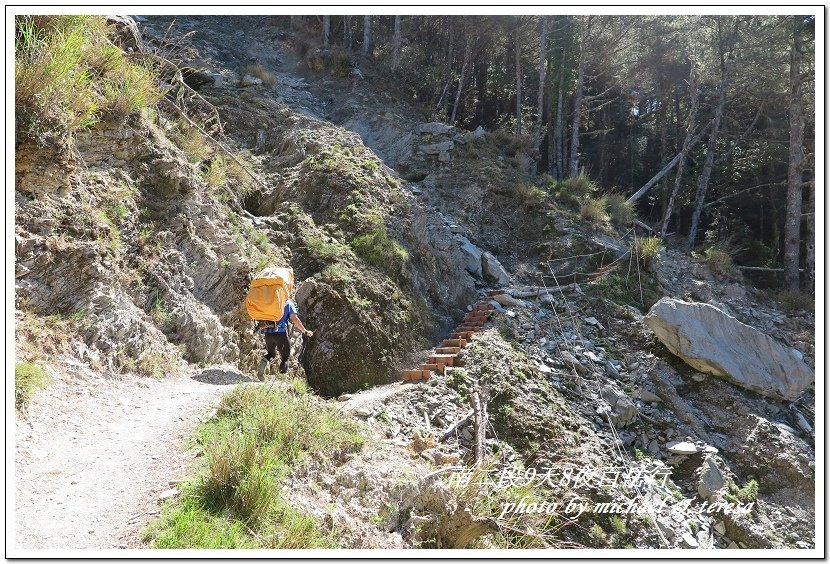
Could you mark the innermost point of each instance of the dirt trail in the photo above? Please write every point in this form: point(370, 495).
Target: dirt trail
point(93, 455)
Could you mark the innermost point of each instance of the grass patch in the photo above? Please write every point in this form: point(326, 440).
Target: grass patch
point(794, 301)
point(28, 378)
point(594, 211)
point(68, 76)
point(720, 263)
point(517, 529)
point(575, 191)
point(259, 72)
point(619, 210)
point(646, 251)
point(623, 286)
point(257, 437)
point(380, 250)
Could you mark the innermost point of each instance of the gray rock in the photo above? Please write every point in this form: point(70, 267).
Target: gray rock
point(443, 157)
point(437, 148)
point(646, 396)
point(434, 128)
point(571, 361)
point(688, 541)
point(720, 528)
point(493, 269)
point(681, 447)
point(666, 529)
point(471, 255)
point(715, 343)
point(507, 300)
point(654, 447)
point(623, 410)
point(249, 80)
point(711, 480)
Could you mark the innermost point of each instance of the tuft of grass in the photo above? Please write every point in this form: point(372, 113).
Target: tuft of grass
point(260, 72)
point(28, 378)
point(575, 191)
point(618, 524)
point(380, 250)
point(646, 251)
point(749, 492)
point(619, 210)
point(720, 263)
point(594, 210)
point(256, 438)
point(795, 301)
point(68, 75)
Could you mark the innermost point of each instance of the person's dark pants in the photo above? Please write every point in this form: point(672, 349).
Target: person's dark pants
point(278, 342)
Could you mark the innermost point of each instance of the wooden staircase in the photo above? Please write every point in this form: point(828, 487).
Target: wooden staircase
point(446, 353)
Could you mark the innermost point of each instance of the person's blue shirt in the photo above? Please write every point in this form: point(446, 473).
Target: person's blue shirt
point(282, 324)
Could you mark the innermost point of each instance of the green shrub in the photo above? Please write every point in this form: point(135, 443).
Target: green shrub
point(257, 437)
point(619, 210)
point(617, 524)
point(646, 252)
point(28, 378)
point(575, 191)
point(68, 75)
point(530, 195)
point(749, 492)
point(380, 250)
point(594, 210)
point(239, 477)
point(794, 301)
point(719, 261)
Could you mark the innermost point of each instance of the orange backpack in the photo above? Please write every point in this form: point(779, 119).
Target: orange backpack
point(268, 293)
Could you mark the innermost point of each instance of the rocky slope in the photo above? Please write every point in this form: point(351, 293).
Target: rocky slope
point(138, 252)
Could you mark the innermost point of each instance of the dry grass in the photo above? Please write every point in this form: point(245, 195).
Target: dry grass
point(68, 75)
point(260, 72)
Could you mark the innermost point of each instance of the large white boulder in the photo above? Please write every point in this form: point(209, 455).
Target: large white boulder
point(716, 343)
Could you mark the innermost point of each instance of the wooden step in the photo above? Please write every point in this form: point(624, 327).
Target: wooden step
point(443, 359)
point(477, 316)
point(484, 307)
point(454, 343)
point(492, 293)
point(416, 375)
point(469, 326)
point(448, 350)
point(439, 368)
point(466, 335)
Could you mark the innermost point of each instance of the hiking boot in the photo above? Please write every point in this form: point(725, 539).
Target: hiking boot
point(260, 369)
point(283, 367)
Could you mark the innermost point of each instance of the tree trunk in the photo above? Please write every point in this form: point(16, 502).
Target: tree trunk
point(670, 165)
point(573, 169)
point(706, 174)
point(367, 35)
point(559, 133)
point(792, 224)
point(396, 44)
point(687, 145)
point(518, 78)
point(549, 114)
point(347, 31)
point(810, 259)
point(467, 52)
point(326, 28)
point(540, 108)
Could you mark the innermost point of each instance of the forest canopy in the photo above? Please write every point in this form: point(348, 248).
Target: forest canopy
point(706, 122)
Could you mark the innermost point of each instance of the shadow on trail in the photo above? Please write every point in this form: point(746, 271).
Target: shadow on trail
point(221, 376)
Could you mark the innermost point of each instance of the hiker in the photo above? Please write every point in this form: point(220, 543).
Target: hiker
point(276, 338)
